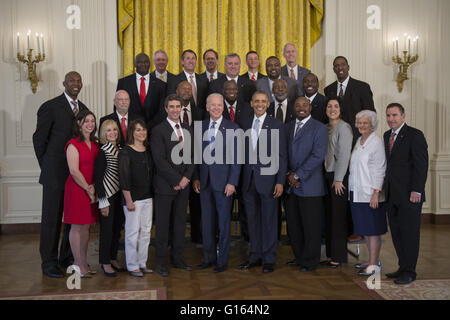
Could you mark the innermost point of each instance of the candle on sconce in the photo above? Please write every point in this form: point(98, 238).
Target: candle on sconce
point(38, 45)
point(405, 35)
point(396, 45)
point(18, 43)
point(43, 47)
point(28, 39)
point(409, 46)
point(417, 45)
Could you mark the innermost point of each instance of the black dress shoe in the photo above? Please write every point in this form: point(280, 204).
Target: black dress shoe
point(267, 268)
point(182, 266)
point(307, 269)
point(220, 268)
point(53, 272)
point(205, 265)
point(292, 263)
point(333, 265)
point(404, 279)
point(248, 265)
point(109, 274)
point(119, 269)
point(393, 275)
point(162, 271)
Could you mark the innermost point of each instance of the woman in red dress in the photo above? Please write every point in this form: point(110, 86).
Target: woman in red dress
point(79, 196)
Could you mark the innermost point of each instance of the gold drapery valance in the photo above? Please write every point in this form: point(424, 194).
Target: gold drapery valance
point(224, 25)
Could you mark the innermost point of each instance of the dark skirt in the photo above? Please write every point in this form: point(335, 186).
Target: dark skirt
point(368, 221)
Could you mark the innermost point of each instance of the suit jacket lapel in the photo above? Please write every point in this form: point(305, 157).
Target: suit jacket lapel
point(399, 138)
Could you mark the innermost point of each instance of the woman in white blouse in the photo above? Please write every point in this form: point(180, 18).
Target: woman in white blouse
point(367, 170)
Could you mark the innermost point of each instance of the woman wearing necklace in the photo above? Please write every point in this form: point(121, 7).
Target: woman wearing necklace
point(340, 137)
point(79, 208)
point(135, 176)
point(367, 170)
point(110, 200)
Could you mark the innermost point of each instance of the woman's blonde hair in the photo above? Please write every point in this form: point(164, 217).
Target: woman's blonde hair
point(104, 128)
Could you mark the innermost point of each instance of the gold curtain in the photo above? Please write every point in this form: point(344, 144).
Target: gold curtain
point(224, 25)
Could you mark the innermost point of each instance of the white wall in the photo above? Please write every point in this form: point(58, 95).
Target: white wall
point(94, 53)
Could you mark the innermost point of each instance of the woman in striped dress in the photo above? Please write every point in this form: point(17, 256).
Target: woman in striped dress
point(107, 187)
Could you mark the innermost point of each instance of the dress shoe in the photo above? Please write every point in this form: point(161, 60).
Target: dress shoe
point(138, 274)
point(248, 265)
point(354, 238)
point(146, 270)
point(182, 266)
point(363, 266)
point(393, 275)
point(404, 279)
point(268, 267)
point(370, 270)
point(333, 265)
point(205, 265)
point(108, 274)
point(121, 269)
point(292, 263)
point(53, 272)
point(307, 269)
point(162, 271)
point(220, 268)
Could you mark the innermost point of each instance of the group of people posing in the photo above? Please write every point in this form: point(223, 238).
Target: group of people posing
point(329, 163)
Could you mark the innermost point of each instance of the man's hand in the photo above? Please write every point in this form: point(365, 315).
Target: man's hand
point(415, 197)
point(229, 190)
point(184, 183)
point(278, 191)
point(105, 211)
point(292, 181)
point(196, 186)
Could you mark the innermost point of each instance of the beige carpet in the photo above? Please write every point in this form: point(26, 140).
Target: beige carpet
point(427, 289)
point(148, 294)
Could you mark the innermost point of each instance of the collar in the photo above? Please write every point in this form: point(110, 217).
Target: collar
point(70, 99)
point(284, 102)
point(235, 79)
point(313, 96)
point(214, 74)
point(146, 77)
point(304, 121)
point(218, 122)
point(188, 75)
point(398, 130)
point(345, 82)
point(160, 74)
point(261, 119)
point(228, 104)
point(172, 123)
point(187, 107)
point(121, 116)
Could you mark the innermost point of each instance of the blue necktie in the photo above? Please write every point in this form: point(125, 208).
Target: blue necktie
point(212, 131)
point(255, 133)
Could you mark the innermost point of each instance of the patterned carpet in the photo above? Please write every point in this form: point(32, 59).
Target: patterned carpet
point(148, 294)
point(429, 289)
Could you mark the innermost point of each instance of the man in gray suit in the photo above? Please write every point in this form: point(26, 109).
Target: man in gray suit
point(273, 69)
point(291, 69)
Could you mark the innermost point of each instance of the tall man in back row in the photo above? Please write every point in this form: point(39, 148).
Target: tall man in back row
point(53, 130)
point(406, 174)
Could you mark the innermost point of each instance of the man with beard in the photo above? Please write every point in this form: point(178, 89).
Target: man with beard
point(281, 108)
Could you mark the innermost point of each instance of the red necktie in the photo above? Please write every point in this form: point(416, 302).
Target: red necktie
point(211, 77)
point(391, 141)
point(232, 114)
point(253, 77)
point(185, 117)
point(142, 91)
point(292, 74)
point(180, 137)
point(123, 126)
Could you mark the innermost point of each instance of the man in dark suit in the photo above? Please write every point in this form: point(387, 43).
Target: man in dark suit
point(199, 84)
point(217, 184)
point(189, 114)
point(355, 95)
point(291, 69)
point(262, 183)
point(146, 93)
point(121, 116)
point(281, 108)
point(246, 87)
point(252, 61)
point(307, 145)
point(273, 69)
point(171, 184)
point(234, 109)
point(210, 58)
point(160, 60)
point(53, 130)
point(318, 101)
point(406, 175)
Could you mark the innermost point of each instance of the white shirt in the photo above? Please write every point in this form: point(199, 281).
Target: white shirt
point(250, 75)
point(161, 76)
point(172, 124)
point(397, 131)
point(293, 69)
point(138, 82)
point(344, 86)
point(188, 77)
point(70, 99)
point(234, 79)
point(312, 97)
point(304, 121)
point(228, 106)
point(367, 169)
point(215, 75)
point(283, 107)
point(189, 113)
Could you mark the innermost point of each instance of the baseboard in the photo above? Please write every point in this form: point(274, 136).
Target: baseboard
point(435, 218)
point(32, 228)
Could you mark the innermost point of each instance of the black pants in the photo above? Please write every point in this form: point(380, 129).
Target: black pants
point(336, 207)
point(110, 228)
point(52, 213)
point(170, 209)
point(404, 222)
point(195, 212)
point(304, 216)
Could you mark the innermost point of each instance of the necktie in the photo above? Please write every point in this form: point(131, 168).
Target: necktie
point(211, 77)
point(255, 133)
point(142, 91)
point(391, 141)
point(75, 107)
point(297, 128)
point(293, 74)
point(253, 77)
point(232, 114)
point(194, 88)
point(341, 90)
point(279, 114)
point(212, 132)
point(123, 126)
point(161, 77)
point(185, 116)
point(180, 137)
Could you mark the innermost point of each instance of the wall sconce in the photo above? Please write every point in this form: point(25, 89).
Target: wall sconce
point(409, 57)
point(30, 62)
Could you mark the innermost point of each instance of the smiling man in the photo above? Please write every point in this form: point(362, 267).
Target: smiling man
point(53, 130)
point(160, 60)
point(318, 101)
point(210, 58)
point(291, 69)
